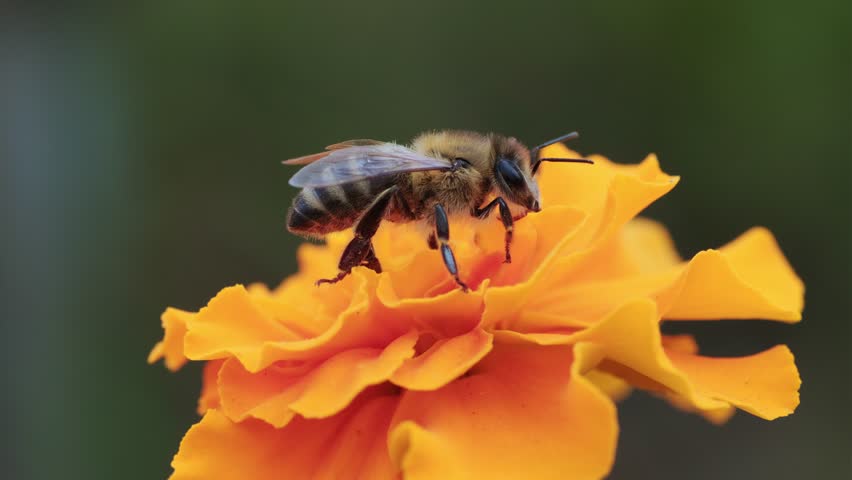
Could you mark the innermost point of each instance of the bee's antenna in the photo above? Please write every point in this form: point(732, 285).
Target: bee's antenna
point(567, 136)
point(534, 153)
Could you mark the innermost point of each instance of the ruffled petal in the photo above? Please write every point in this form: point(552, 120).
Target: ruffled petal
point(523, 412)
point(765, 384)
point(351, 444)
point(209, 397)
point(608, 192)
point(236, 324)
point(539, 238)
point(445, 315)
point(444, 361)
point(583, 255)
point(648, 247)
point(586, 186)
point(748, 278)
point(279, 392)
point(613, 386)
point(171, 346)
point(717, 416)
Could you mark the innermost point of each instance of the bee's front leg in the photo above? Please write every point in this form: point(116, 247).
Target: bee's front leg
point(505, 217)
point(442, 235)
point(432, 241)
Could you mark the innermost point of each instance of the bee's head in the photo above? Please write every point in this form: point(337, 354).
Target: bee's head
point(515, 169)
point(514, 176)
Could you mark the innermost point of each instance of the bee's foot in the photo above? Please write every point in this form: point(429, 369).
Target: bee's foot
point(340, 276)
point(508, 259)
point(463, 285)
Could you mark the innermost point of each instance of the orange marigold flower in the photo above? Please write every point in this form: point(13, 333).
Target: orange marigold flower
point(401, 374)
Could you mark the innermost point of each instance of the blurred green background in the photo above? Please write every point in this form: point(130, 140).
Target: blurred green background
point(140, 148)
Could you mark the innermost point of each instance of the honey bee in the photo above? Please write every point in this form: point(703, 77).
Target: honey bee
point(443, 174)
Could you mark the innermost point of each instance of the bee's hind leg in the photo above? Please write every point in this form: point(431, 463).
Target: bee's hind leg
point(505, 217)
point(442, 234)
point(360, 251)
point(371, 261)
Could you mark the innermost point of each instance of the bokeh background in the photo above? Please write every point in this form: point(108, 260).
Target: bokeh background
point(140, 148)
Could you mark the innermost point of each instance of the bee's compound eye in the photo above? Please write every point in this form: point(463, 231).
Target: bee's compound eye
point(510, 173)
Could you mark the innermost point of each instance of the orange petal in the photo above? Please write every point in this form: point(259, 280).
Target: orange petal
point(648, 246)
point(717, 416)
point(748, 278)
point(585, 186)
point(538, 240)
point(725, 283)
point(584, 255)
point(232, 323)
point(171, 347)
point(507, 302)
point(524, 412)
point(631, 189)
point(444, 361)
point(236, 324)
point(633, 348)
point(337, 381)
point(351, 444)
point(445, 315)
point(581, 186)
point(279, 391)
point(210, 386)
point(589, 188)
point(680, 343)
point(613, 386)
point(765, 384)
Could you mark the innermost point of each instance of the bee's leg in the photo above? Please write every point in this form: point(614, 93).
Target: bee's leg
point(371, 261)
point(442, 233)
point(505, 217)
point(432, 241)
point(360, 251)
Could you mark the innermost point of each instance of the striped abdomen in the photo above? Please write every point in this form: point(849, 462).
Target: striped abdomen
point(320, 210)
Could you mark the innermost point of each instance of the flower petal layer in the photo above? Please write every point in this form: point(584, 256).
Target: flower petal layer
point(613, 386)
point(278, 392)
point(610, 194)
point(748, 278)
point(446, 315)
point(765, 384)
point(257, 332)
point(171, 346)
point(209, 397)
point(444, 361)
point(715, 284)
point(588, 187)
point(648, 247)
point(351, 444)
point(524, 412)
point(586, 254)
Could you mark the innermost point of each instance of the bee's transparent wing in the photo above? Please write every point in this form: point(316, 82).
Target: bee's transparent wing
point(358, 142)
point(335, 146)
point(360, 162)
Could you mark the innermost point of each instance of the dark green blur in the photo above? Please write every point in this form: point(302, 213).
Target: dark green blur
point(140, 147)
